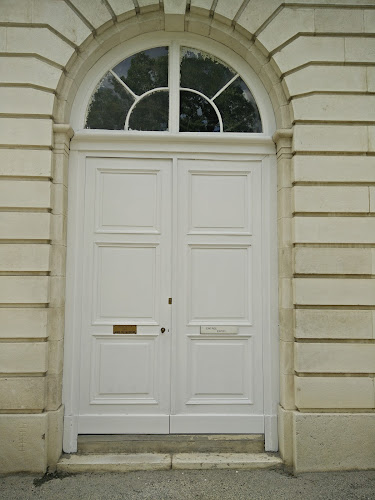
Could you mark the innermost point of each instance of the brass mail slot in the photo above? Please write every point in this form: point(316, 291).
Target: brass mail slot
point(125, 329)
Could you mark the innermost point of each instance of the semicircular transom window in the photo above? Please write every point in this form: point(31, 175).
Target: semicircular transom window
point(195, 92)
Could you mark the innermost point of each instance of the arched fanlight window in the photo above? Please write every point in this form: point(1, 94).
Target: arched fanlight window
point(197, 91)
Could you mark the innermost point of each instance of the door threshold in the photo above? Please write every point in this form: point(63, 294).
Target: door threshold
point(170, 443)
point(75, 464)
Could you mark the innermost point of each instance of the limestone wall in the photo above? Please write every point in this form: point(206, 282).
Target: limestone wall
point(317, 61)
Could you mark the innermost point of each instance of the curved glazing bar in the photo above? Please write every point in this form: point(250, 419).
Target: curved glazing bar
point(196, 113)
point(149, 112)
point(109, 105)
point(203, 72)
point(238, 108)
point(145, 70)
point(136, 95)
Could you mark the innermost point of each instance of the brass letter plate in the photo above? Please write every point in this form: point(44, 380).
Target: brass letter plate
point(219, 329)
point(125, 329)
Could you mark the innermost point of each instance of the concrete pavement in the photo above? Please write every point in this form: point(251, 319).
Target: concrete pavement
point(192, 485)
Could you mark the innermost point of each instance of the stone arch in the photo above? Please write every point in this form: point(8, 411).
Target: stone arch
point(240, 42)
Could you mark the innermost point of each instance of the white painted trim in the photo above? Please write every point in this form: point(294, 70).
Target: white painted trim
point(205, 424)
point(270, 302)
point(73, 309)
point(147, 41)
point(160, 142)
point(74, 292)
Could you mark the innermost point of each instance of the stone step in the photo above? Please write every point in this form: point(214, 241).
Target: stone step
point(75, 464)
point(123, 462)
point(171, 443)
point(242, 461)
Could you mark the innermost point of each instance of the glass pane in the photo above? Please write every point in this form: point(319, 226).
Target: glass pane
point(151, 113)
point(197, 114)
point(238, 109)
point(109, 105)
point(203, 72)
point(145, 71)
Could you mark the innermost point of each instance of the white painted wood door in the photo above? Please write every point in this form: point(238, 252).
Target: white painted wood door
point(218, 384)
point(127, 275)
point(181, 228)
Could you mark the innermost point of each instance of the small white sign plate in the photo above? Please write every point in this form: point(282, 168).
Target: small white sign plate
point(219, 329)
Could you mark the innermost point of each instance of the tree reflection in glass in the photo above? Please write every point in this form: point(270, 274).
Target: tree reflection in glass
point(134, 95)
point(197, 114)
point(238, 108)
point(151, 112)
point(109, 105)
point(221, 86)
point(125, 84)
point(144, 71)
point(203, 72)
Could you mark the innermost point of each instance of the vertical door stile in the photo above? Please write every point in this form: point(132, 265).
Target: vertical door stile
point(175, 282)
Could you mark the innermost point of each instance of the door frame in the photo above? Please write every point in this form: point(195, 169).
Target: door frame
point(158, 145)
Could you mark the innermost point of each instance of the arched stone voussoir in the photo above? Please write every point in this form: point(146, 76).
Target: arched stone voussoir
point(156, 21)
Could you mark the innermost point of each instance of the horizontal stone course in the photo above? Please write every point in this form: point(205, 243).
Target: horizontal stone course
point(338, 168)
point(21, 257)
point(24, 289)
point(40, 41)
point(359, 49)
point(333, 260)
point(306, 49)
point(331, 199)
point(25, 163)
point(29, 71)
point(23, 323)
point(28, 132)
point(288, 23)
point(331, 291)
point(25, 194)
point(334, 229)
point(334, 358)
point(334, 392)
point(26, 101)
point(334, 324)
point(344, 108)
point(23, 357)
point(338, 20)
point(317, 78)
point(24, 226)
point(22, 393)
point(330, 138)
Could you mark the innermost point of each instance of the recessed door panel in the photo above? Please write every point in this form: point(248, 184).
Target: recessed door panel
point(219, 284)
point(125, 371)
point(127, 282)
point(128, 200)
point(219, 370)
point(219, 201)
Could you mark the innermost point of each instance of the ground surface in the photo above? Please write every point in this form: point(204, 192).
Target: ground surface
point(193, 485)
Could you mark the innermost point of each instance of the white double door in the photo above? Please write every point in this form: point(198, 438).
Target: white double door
point(172, 247)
